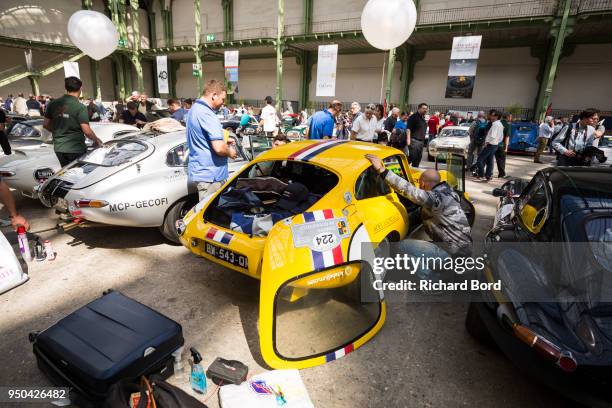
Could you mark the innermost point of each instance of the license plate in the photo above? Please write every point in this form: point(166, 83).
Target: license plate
point(226, 255)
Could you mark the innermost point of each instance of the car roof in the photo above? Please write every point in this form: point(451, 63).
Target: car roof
point(456, 127)
point(340, 155)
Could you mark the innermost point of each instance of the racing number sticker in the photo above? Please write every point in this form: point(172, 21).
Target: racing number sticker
point(324, 241)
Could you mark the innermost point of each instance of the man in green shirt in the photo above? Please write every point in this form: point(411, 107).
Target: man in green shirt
point(67, 119)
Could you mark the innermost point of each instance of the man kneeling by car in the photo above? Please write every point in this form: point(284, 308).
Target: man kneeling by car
point(443, 218)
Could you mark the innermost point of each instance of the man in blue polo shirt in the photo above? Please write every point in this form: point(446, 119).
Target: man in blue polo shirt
point(208, 149)
point(323, 122)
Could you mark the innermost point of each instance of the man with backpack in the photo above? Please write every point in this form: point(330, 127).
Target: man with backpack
point(571, 144)
point(478, 133)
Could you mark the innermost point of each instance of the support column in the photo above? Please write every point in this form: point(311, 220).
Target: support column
point(166, 16)
point(127, 76)
point(95, 79)
point(34, 84)
point(560, 29)
point(409, 56)
point(196, 48)
point(173, 68)
point(308, 7)
point(228, 19)
point(279, 54)
point(306, 62)
point(120, 74)
point(152, 30)
point(136, 45)
point(390, 69)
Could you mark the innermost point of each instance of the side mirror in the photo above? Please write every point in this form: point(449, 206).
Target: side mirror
point(498, 192)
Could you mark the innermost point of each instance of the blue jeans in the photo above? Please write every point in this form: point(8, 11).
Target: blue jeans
point(425, 249)
point(486, 157)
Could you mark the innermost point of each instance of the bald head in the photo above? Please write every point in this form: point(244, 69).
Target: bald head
point(429, 179)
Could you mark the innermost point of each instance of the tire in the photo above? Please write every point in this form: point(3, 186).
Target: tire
point(476, 327)
point(177, 211)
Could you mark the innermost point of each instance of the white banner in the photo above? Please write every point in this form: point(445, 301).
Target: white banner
point(326, 70)
point(162, 74)
point(71, 68)
point(466, 47)
point(231, 59)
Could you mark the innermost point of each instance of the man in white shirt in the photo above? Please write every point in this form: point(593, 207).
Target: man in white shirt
point(495, 135)
point(544, 133)
point(19, 105)
point(365, 125)
point(268, 118)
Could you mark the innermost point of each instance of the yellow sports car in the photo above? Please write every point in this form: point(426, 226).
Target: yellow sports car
point(304, 218)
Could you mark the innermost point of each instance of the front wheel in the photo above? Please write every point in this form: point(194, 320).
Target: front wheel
point(175, 213)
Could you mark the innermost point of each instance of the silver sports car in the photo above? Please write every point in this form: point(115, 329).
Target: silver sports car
point(138, 181)
point(33, 160)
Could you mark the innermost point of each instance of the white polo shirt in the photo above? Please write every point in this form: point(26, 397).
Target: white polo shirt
point(496, 133)
point(268, 115)
point(365, 128)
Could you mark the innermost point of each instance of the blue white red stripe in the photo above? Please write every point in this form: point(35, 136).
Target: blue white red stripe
point(311, 151)
point(339, 353)
point(219, 236)
point(331, 257)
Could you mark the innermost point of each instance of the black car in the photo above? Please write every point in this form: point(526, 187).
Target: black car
point(551, 249)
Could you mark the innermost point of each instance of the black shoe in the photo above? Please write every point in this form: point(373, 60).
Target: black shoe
point(501, 176)
point(488, 178)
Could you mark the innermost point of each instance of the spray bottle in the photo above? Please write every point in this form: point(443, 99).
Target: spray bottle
point(198, 376)
point(24, 245)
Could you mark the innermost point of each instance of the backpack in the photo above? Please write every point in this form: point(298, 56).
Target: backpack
point(480, 134)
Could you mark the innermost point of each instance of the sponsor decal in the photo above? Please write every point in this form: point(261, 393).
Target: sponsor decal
point(153, 202)
point(339, 353)
point(219, 236)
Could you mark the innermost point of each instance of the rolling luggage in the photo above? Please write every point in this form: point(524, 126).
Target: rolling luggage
point(110, 339)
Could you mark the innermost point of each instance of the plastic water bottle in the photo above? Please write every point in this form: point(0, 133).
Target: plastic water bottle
point(198, 376)
point(24, 245)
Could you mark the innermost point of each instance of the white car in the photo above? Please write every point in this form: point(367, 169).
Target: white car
point(453, 138)
point(32, 164)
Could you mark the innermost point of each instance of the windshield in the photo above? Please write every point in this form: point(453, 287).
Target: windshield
point(22, 131)
point(453, 133)
point(114, 154)
point(599, 234)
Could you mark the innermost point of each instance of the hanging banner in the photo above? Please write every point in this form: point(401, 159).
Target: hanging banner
point(462, 68)
point(162, 74)
point(71, 68)
point(231, 61)
point(326, 70)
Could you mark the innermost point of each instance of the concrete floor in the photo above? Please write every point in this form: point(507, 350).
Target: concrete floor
point(423, 356)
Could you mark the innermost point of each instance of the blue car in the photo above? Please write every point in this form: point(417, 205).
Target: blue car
point(523, 137)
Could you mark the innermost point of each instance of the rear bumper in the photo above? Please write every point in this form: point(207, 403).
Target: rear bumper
point(587, 385)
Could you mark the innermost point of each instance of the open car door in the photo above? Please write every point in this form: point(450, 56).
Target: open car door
point(454, 175)
point(315, 281)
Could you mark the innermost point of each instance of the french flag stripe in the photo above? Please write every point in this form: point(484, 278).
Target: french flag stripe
point(309, 217)
point(339, 353)
point(211, 233)
point(300, 154)
point(317, 260)
point(328, 214)
point(218, 236)
point(328, 258)
point(226, 238)
point(337, 255)
point(318, 215)
point(305, 149)
point(324, 146)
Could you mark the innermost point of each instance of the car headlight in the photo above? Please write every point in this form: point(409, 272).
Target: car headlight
point(180, 227)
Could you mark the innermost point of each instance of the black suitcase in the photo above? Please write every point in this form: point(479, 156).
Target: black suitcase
point(110, 339)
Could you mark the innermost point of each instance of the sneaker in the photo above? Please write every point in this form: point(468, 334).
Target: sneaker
point(488, 179)
point(502, 176)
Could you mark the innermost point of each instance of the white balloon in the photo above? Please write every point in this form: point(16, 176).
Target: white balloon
point(387, 24)
point(93, 33)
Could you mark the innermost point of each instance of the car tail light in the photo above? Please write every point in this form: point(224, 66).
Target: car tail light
point(564, 359)
point(85, 203)
point(6, 173)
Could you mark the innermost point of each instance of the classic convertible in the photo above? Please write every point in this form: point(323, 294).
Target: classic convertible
point(139, 180)
point(302, 218)
point(551, 248)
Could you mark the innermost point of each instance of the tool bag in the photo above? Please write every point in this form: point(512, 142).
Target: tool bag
point(153, 393)
point(108, 340)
